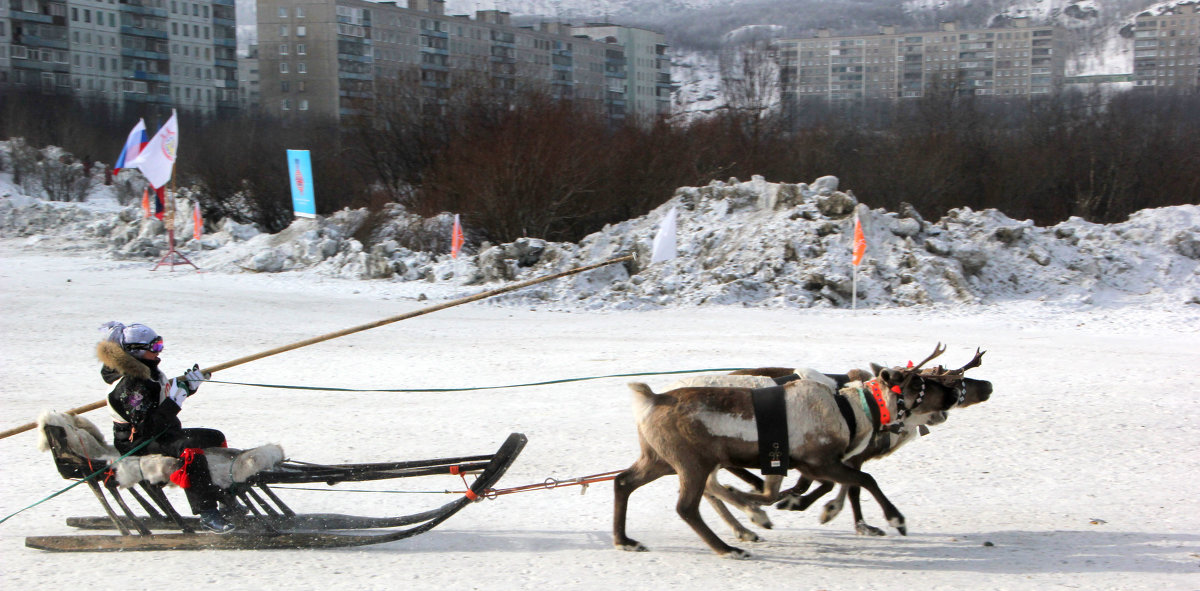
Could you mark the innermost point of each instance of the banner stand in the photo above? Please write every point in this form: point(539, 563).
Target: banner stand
point(173, 257)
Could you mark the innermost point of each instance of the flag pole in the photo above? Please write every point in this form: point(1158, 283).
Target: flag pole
point(173, 257)
point(352, 330)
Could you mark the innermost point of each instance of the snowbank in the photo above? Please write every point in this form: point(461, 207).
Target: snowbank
point(753, 243)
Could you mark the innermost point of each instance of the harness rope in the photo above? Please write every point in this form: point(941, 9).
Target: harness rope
point(549, 483)
point(545, 383)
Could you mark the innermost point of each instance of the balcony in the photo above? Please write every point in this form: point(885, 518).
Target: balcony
point(144, 10)
point(140, 32)
point(144, 54)
point(144, 75)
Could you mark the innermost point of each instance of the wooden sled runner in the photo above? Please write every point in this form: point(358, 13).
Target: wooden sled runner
point(268, 522)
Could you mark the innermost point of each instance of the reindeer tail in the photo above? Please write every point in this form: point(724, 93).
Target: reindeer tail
point(643, 400)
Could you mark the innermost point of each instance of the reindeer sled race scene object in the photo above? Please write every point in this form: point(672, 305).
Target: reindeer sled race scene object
point(263, 520)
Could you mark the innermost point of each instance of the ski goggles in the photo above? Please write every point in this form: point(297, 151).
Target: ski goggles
point(155, 346)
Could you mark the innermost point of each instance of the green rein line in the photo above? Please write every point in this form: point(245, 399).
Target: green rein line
point(86, 478)
point(546, 383)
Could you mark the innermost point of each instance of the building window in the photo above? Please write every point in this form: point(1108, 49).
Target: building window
point(283, 49)
point(283, 68)
point(301, 69)
point(301, 49)
point(285, 104)
point(301, 30)
point(283, 30)
point(299, 12)
point(285, 86)
point(303, 104)
point(283, 12)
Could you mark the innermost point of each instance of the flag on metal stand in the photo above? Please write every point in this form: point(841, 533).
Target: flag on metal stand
point(197, 221)
point(860, 247)
point(456, 238)
point(663, 248)
point(157, 163)
point(133, 146)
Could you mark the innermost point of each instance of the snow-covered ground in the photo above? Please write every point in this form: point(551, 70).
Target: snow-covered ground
point(1079, 472)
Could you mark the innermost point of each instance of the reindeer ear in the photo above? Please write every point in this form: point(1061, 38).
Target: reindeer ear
point(876, 368)
point(890, 376)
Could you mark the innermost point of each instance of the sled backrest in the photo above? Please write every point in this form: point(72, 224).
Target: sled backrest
point(70, 464)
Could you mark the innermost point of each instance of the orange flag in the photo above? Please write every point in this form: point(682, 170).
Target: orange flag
point(197, 221)
point(860, 241)
point(146, 201)
point(456, 238)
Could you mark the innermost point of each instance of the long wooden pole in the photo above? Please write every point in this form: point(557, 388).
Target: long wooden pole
point(348, 331)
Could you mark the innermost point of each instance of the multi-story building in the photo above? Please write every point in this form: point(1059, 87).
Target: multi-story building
point(1167, 49)
point(147, 55)
point(1019, 60)
point(647, 68)
point(337, 58)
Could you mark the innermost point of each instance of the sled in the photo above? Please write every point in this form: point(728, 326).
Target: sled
point(267, 522)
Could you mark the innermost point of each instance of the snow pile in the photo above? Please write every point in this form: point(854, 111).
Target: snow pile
point(750, 243)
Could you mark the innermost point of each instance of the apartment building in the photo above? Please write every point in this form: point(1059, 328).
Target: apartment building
point(339, 58)
point(1167, 49)
point(647, 68)
point(1019, 60)
point(145, 55)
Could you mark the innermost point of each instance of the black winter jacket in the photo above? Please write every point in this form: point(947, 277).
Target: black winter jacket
point(139, 402)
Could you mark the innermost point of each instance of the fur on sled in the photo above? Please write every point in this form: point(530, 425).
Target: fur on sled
point(85, 440)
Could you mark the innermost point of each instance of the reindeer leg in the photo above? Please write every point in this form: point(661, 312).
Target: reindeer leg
point(691, 490)
point(804, 502)
point(643, 471)
point(716, 493)
point(843, 474)
point(739, 530)
point(832, 508)
point(861, 527)
point(791, 497)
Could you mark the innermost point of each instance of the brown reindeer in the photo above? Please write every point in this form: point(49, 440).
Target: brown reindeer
point(694, 431)
point(971, 391)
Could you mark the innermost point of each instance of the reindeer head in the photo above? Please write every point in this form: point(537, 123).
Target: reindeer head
point(925, 394)
point(970, 391)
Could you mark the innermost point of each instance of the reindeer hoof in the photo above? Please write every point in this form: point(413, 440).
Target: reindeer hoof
point(632, 546)
point(760, 519)
point(862, 528)
point(830, 511)
point(737, 554)
point(898, 523)
point(789, 504)
point(748, 536)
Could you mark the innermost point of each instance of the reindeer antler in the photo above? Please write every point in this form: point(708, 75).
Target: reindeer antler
point(974, 362)
point(938, 349)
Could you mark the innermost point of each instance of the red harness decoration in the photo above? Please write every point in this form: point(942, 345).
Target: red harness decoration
point(876, 390)
point(180, 476)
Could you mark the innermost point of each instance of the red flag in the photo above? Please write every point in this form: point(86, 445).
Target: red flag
point(456, 238)
point(860, 241)
point(197, 221)
point(146, 202)
point(160, 201)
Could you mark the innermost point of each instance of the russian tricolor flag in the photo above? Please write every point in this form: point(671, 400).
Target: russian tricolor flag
point(133, 145)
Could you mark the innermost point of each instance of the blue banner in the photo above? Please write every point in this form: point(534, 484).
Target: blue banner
point(300, 175)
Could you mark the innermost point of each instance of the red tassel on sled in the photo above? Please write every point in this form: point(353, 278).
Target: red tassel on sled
point(180, 476)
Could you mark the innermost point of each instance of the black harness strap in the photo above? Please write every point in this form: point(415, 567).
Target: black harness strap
point(770, 416)
point(847, 413)
point(781, 380)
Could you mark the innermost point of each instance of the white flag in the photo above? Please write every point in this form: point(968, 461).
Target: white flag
point(664, 241)
point(158, 158)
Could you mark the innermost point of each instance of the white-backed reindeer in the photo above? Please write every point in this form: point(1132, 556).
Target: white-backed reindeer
point(694, 431)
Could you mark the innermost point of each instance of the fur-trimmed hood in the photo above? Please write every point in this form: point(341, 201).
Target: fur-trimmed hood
point(114, 357)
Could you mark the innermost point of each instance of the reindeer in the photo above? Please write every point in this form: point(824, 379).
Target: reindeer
point(882, 444)
point(694, 431)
